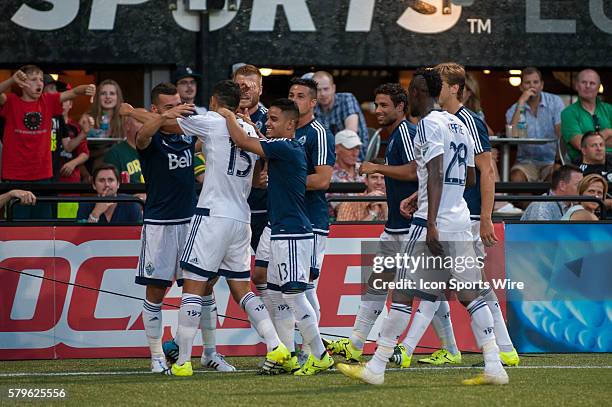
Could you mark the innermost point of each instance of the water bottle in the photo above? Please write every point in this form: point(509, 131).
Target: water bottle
point(521, 126)
point(104, 125)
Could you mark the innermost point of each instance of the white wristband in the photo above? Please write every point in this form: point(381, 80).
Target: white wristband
point(93, 218)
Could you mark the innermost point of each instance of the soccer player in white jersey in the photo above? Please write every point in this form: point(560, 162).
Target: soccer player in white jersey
point(219, 236)
point(480, 199)
point(291, 230)
point(167, 161)
point(445, 165)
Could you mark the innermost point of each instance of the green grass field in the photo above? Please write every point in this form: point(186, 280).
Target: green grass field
point(552, 379)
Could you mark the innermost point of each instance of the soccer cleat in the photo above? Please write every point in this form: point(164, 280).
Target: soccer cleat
point(275, 359)
point(486, 378)
point(158, 364)
point(509, 358)
point(291, 366)
point(216, 361)
point(171, 350)
point(361, 372)
point(345, 348)
point(183, 370)
point(314, 365)
point(442, 357)
point(400, 357)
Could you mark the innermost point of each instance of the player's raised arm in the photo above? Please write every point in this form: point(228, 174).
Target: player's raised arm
point(238, 135)
point(405, 172)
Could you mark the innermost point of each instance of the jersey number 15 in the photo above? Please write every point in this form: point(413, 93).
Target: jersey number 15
point(234, 153)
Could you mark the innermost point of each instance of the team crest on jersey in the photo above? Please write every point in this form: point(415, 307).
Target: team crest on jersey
point(32, 120)
point(186, 139)
point(149, 269)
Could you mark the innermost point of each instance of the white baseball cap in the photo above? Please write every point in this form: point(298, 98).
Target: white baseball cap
point(348, 138)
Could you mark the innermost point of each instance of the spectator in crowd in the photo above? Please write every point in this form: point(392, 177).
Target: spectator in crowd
point(591, 185)
point(186, 81)
point(367, 211)
point(471, 98)
point(106, 184)
point(25, 197)
point(105, 110)
point(27, 131)
point(346, 169)
point(339, 111)
point(534, 162)
point(595, 159)
point(124, 156)
point(588, 113)
point(565, 181)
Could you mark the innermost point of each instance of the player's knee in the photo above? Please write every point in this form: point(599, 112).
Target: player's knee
point(194, 287)
point(155, 294)
point(238, 288)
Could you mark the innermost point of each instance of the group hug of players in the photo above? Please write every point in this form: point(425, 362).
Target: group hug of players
point(427, 168)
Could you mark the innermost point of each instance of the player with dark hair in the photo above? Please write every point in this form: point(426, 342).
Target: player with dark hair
point(291, 231)
point(400, 182)
point(440, 226)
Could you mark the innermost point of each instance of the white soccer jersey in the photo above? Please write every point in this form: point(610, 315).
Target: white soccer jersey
point(442, 133)
point(229, 170)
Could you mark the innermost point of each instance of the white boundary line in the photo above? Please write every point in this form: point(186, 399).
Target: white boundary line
point(146, 372)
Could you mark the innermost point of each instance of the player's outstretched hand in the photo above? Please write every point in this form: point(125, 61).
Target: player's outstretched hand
point(125, 109)
point(487, 233)
point(225, 112)
point(183, 110)
point(408, 206)
point(368, 168)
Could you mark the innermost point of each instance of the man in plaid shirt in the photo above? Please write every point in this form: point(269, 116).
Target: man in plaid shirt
point(339, 111)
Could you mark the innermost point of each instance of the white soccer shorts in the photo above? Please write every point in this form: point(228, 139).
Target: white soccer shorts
point(215, 247)
point(289, 268)
point(262, 255)
point(160, 251)
point(318, 253)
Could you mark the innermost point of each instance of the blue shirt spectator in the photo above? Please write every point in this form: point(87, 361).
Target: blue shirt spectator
point(339, 111)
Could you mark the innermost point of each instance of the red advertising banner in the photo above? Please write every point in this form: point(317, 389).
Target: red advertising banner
point(43, 319)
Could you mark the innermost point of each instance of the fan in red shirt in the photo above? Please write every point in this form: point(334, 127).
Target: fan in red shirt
point(27, 130)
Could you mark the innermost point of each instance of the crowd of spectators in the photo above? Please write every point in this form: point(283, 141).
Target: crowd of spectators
point(43, 143)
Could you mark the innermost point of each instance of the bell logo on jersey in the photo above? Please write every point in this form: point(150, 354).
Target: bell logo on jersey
point(185, 160)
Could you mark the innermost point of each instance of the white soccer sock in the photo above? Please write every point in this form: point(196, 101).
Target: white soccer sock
point(152, 320)
point(420, 321)
point(482, 327)
point(394, 324)
point(260, 319)
point(264, 295)
point(370, 308)
point(306, 322)
point(188, 321)
point(501, 331)
point(444, 327)
point(283, 319)
point(208, 324)
point(311, 294)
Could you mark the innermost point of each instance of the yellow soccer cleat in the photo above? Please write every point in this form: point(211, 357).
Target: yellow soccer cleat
point(314, 365)
point(486, 378)
point(400, 357)
point(442, 357)
point(509, 358)
point(183, 370)
point(291, 365)
point(275, 359)
point(345, 348)
point(361, 372)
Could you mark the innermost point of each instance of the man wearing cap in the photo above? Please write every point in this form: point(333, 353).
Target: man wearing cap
point(186, 81)
point(346, 169)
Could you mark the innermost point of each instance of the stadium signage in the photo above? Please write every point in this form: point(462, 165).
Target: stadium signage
point(43, 319)
point(441, 16)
